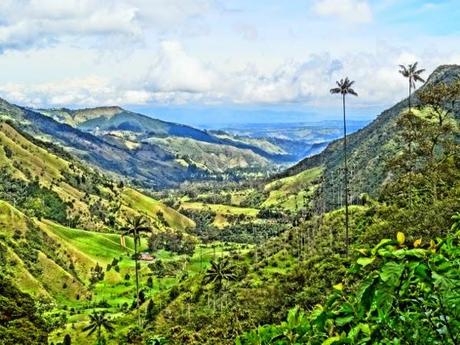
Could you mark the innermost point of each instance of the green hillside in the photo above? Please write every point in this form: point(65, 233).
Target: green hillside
point(293, 192)
point(222, 214)
point(369, 149)
point(85, 197)
point(153, 208)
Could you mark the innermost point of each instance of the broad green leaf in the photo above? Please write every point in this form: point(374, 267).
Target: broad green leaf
point(340, 321)
point(365, 261)
point(360, 328)
point(416, 252)
point(382, 243)
point(421, 271)
point(332, 341)
point(366, 295)
point(391, 272)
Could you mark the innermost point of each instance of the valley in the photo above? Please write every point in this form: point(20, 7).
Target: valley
point(157, 233)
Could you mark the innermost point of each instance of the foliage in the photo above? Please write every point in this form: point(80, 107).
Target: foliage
point(405, 295)
point(98, 322)
point(174, 241)
point(35, 200)
point(20, 322)
point(219, 272)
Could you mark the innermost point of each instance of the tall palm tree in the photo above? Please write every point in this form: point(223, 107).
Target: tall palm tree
point(413, 75)
point(344, 88)
point(219, 272)
point(135, 226)
point(97, 321)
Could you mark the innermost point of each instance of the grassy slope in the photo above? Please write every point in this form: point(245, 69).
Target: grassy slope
point(293, 191)
point(30, 162)
point(151, 207)
point(216, 158)
point(221, 211)
point(14, 226)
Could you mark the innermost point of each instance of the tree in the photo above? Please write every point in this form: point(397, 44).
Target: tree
point(67, 340)
point(97, 322)
point(219, 272)
point(344, 88)
point(151, 311)
point(413, 75)
point(134, 228)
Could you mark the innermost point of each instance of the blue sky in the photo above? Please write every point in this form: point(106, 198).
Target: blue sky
point(190, 59)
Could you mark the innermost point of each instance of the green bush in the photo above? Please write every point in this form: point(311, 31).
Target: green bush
point(404, 295)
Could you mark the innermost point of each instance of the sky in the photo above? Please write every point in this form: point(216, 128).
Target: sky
point(216, 61)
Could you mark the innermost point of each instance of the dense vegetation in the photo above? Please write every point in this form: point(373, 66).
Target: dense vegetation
point(87, 258)
point(403, 295)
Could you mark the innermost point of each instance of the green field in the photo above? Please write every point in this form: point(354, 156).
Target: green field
point(222, 211)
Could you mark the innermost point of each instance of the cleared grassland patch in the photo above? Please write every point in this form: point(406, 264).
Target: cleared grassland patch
point(151, 207)
point(223, 212)
point(99, 247)
point(292, 192)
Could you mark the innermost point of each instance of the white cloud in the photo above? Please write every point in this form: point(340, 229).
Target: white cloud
point(355, 11)
point(175, 70)
point(29, 23)
point(246, 31)
point(176, 77)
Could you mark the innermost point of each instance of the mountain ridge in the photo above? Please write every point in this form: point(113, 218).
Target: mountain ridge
point(368, 148)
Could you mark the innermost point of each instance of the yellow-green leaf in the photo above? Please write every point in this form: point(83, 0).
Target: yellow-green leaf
point(363, 251)
point(365, 261)
point(338, 286)
point(400, 237)
point(433, 246)
point(417, 243)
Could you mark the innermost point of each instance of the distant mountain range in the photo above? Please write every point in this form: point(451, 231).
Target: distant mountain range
point(161, 154)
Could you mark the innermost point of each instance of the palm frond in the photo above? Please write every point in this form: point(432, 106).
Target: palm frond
point(352, 92)
point(90, 326)
point(418, 78)
point(344, 87)
point(107, 324)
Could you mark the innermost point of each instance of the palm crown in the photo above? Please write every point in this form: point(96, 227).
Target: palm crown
point(97, 321)
point(344, 87)
point(412, 73)
point(134, 227)
point(219, 272)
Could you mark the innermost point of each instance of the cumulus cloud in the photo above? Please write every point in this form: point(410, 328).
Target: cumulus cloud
point(176, 77)
point(30, 23)
point(355, 11)
point(175, 70)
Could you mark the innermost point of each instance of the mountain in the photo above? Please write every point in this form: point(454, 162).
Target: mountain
point(123, 126)
point(146, 156)
point(46, 199)
point(294, 140)
point(369, 149)
point(192, 148)
point(118, 119)
point(32, 170)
